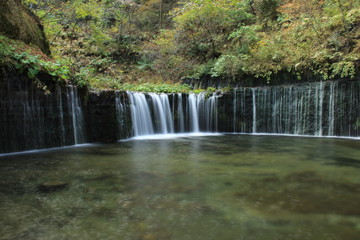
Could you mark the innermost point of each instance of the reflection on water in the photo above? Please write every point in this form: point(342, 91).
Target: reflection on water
point(214, 187)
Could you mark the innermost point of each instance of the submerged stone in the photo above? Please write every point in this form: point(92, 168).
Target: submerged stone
point(52, 186)
point(228, 183)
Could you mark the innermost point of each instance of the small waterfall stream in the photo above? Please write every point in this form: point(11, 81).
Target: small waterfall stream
point(140, 114)
point(254, 109)
point(76, 114)
point(180, 113)
point(163, 119)
point(192, 106)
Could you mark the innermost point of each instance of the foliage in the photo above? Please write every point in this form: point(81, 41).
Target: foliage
point(120, 44)
point(229, 39)
point(157, 88)
point(267, 10)
point(30, 60)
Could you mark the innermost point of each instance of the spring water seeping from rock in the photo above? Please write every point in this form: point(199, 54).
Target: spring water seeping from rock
point(319, 109)
point(76, 114)
point(33, 119)
point(180, 113)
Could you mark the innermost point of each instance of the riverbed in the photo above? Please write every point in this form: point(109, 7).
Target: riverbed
point(228, 187)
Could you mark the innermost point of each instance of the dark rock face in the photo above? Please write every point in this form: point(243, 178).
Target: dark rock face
point(17, 22)
point(102, 122)
point(328, 108)
point(33, 119)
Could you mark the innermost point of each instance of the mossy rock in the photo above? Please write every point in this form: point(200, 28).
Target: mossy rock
point(18, 22)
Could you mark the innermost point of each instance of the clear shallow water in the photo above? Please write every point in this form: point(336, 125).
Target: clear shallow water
point(214, 187)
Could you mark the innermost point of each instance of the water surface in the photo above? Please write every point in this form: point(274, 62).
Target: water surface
point(230, 187)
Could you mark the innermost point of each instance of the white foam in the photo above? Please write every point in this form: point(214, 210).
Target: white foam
point(171, 136)
point(47, 149)
point(293, 135)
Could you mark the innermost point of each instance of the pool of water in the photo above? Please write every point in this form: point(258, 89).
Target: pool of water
point(229, 187)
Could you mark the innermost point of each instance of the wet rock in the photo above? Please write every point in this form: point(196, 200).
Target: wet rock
point(228, 183)
point(198, 207)
point(145, 176)
point(344, 162)
point(240, 195)
point(182, 189)
point(280, 222)
point(103, 177)
point(218, 93)
point(52, 186)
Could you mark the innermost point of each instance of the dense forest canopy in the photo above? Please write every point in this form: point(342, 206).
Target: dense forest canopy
point(121, 43)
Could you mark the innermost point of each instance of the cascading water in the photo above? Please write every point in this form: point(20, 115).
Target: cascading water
point(180, 113)
point(331, 108)
point(320, 109)
point(121, 114)
point(168, 113)
point(192, 106)
point(140, 114)
point(207, 112)
point(152, 113)
point(235, 108)
point(254, 109)
point(61, 114)
point(163, 119)
point(32, 119)
point(77, 115)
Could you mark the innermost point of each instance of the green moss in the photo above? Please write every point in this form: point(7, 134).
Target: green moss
point(158, 88)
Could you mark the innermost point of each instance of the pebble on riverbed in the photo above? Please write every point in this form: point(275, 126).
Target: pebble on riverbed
point(52, 186)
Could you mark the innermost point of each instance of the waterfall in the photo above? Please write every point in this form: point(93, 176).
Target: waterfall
point(207, 112)
point(153, 114)
point(120, 109)
point(319, 97)
point(168, 113)
point(254, 109)
point(121, 115)
point(62, 133)
point(180, 113)
point(234, 111)
point(140, 114)
point(77, 115)
point(317, 108)
point(33, 119)
point(163, 119)
point(193, 113)
point(331, 107)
